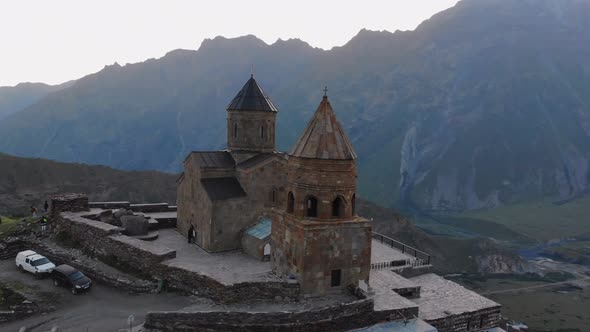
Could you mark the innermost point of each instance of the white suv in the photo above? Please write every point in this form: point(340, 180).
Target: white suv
point(32, 262)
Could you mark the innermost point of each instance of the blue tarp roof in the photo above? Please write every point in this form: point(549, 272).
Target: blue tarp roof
point(262, 228)
point(412, 325)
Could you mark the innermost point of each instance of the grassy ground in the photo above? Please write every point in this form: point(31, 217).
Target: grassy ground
point(554, 308)
point(8, 297)
point(541, 220)
point(7, 226)
point(466, 227)
point(563, 308)
point(15, 224)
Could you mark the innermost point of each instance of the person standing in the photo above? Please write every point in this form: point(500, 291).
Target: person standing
point(43, 223)
point(190, 234)
point(45, 206)
point(33, 211)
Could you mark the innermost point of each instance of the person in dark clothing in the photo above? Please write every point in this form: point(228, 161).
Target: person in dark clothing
point(45, 206)
point(191, 234)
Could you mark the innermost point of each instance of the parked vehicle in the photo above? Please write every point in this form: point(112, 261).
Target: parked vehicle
point(67, 276)
point(32, 262)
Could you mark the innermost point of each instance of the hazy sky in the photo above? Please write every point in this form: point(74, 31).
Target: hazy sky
point(59, 40)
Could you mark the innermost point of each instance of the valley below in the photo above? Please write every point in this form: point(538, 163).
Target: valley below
point(552, 237)
point(558, 301)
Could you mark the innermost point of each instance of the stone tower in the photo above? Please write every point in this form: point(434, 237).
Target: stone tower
point(251, 120)
point(318, 238)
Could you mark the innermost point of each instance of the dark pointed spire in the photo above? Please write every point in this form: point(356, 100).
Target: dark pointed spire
point(324, 138)
point(252, 98)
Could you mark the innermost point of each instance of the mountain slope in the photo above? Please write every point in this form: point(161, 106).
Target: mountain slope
point(483, 104)
point(16, 98)
point(26, 182)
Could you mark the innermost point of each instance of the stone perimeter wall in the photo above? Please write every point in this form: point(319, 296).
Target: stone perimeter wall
point(201, 285)
point(105, 240)
point(341, 317)
point(469, 321)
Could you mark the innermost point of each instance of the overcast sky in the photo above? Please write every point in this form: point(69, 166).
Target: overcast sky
point(59, 40)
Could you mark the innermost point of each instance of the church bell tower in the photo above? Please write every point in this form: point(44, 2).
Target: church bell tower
point(251, 118)
point(319, 239)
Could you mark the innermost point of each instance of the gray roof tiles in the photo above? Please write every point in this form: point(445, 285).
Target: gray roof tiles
point(215, 159)
point(219, 189)
point(252, 98)
point(257, 159)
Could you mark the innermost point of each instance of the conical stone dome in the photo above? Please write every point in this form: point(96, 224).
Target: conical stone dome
point(323, 137)
point(251, 98)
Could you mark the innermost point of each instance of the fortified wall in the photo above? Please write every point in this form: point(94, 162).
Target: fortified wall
point(148, 259)
point(341, 317)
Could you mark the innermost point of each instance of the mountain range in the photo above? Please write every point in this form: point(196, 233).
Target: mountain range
point(482, 105)
point(15, 98)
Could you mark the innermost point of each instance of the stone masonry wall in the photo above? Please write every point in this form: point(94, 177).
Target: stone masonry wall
point(341, 317)
point(194, 206)
point(198, 284)
point(69, 202)
point(248, 130)
point(9, 248)
point(260, 180)
point(230, 217)
point(312, 250)
point(110, 205)
point(469, 321)
point(105, 240)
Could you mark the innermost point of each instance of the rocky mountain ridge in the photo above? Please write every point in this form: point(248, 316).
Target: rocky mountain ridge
point(484, 104)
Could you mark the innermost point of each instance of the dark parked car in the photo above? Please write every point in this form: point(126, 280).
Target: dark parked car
point(67, 276)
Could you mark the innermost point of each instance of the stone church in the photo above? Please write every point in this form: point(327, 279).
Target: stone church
point(296, 210)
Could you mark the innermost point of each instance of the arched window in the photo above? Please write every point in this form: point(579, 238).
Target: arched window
point(338, 207)
point(353, 204)
point(262, 132)
point(273, 196)
point(235, 130)
point(311, 207)
point(290, 203)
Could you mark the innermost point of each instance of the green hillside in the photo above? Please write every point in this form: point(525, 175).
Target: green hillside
point(543, 220)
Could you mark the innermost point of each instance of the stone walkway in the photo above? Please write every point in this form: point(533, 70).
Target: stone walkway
point(440, 298)
point(383, 253)
point(226, 267)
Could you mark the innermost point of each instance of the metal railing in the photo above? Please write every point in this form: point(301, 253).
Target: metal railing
point(399, 264)
point(422, 258)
